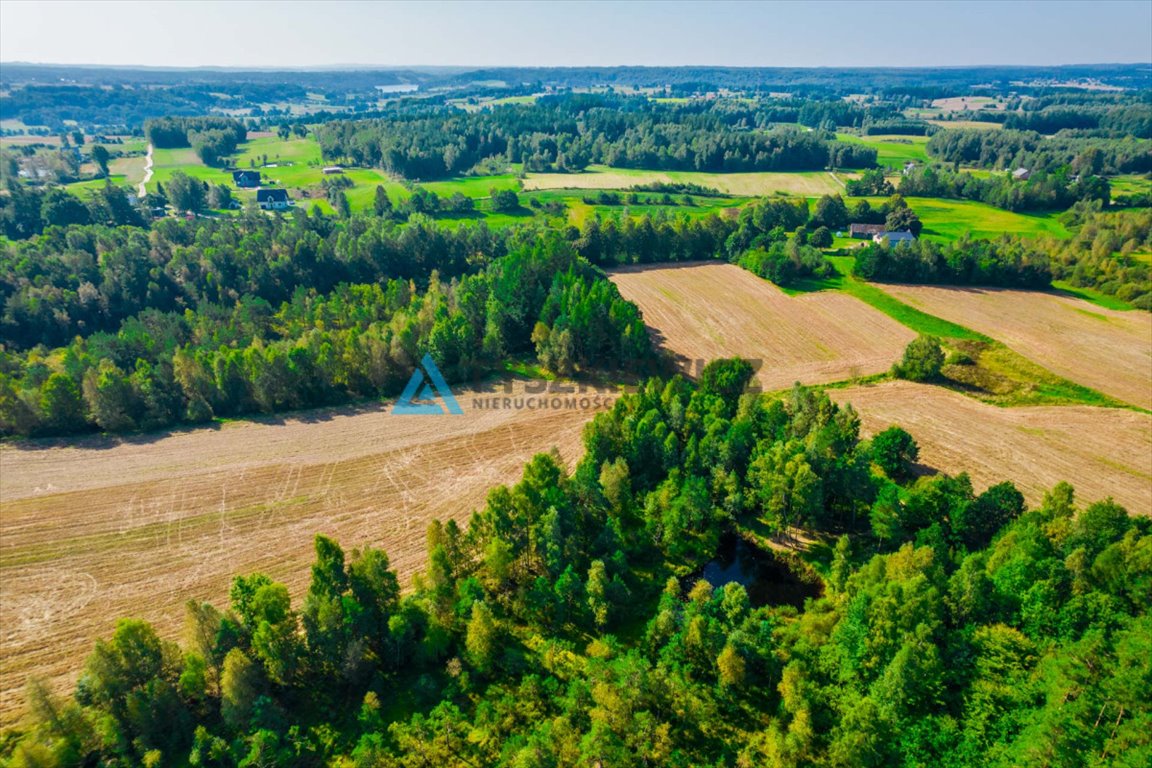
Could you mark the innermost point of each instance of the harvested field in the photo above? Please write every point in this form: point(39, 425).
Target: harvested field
point(105, 529)
point(704, 311)
point(804, 183)
point(1101, 451)
point(1106, 349)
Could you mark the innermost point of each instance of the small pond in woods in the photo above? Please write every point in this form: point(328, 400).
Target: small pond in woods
point(766, 577)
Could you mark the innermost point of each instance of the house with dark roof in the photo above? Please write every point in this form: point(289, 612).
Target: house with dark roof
point(273, 199)
point(864, 231)
point(246, 179)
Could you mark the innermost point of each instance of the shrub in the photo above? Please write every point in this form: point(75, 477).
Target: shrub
point(922, 360)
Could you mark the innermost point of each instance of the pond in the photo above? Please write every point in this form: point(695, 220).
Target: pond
point(767, 578)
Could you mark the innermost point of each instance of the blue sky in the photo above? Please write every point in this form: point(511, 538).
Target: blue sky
point(279, 33)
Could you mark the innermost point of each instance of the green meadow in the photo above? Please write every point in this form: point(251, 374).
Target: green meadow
point(892, 151)
point(946, 220)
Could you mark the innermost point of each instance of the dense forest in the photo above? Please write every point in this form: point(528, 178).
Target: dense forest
point(288, 332)
point(567, 133)
point(567, 625)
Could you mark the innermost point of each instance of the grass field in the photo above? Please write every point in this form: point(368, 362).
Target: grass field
point(102, 529)
point(166, 162)
point(807, 183)
point(1102, 451)
point(1131, 184)
point(1107, 350)
point(702, 311)
point(892, 151)
point(949, 219)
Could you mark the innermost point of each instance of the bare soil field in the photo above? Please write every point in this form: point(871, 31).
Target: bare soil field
point(105, 529)
point(1108, 350)
point(1101, 451)
point(703, 311)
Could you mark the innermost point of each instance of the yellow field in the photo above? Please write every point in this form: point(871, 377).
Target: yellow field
point(807, 184)
point(105, 529)
point(704, 311)
point(1102, 451)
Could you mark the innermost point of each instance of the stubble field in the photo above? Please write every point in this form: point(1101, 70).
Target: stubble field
point(103, 529)
point(1102, 451)
point(703, 311)
point(1106, 349)
point(803, 183)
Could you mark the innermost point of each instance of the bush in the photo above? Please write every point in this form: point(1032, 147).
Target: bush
point(821, 238)
point(922, 360)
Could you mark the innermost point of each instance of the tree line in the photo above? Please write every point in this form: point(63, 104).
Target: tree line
point(1009, 149)
point(568, 625)
point(1054, 190)
point(1007, 262)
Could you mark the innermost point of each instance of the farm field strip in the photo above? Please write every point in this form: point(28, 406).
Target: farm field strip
point(708, 310)
point(1105, 349)
point(102, 529)
point(1102, 451)
point(804, 183)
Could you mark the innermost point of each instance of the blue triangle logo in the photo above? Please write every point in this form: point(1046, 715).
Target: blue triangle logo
point(426, 386)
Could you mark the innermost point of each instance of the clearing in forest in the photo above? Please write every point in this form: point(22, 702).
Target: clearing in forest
point(1105, 349)
point(708, 310)
point(1102, 452)
point(104, 528)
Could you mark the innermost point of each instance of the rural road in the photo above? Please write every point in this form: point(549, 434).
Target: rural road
point(142, 190)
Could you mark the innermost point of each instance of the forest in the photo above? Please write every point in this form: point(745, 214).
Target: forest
point(567, 133)
point(567, 624)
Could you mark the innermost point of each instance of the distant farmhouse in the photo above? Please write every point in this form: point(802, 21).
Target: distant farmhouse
point(330, 169)
point(893, 237)
point(246, 179)
point(864, 231)
point(273, 199)
point(1021, 174)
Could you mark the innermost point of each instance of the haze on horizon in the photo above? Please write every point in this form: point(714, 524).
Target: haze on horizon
point(576, 33)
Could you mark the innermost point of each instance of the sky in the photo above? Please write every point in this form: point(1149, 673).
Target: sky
point(834, 33)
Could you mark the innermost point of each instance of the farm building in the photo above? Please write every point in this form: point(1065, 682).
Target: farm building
point(893, 237)
point(330, 169)
point(273, 199)
point(864, 231)
point(1021, 174)
point(246, 179)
